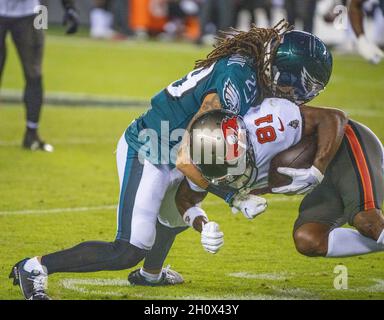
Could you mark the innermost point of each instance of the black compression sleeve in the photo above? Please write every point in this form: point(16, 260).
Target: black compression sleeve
point(224, 192)
point(94, 256)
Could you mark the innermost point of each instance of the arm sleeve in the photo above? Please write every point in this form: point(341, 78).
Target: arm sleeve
point(236, 86)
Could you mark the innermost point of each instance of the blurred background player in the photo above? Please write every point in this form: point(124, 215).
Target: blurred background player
point(367, 49)
point(215, 15)
point(303, 10)
point(17, 18)
point(251, 6)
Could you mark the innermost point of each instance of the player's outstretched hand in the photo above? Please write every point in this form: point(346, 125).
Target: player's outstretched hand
point(303, 180)
point(250, 205)
point(212, 238)
point(71, 20)
point(368, 50)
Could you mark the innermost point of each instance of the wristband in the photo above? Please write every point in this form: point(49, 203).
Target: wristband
point(192, 213)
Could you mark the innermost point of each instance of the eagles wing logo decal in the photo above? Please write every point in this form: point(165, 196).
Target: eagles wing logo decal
point(309, 83)
point(231, 97)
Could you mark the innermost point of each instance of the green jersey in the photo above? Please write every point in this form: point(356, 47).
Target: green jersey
point(158, 132)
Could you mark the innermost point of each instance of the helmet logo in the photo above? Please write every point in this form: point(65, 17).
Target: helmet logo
point(231, 139)
point(230, 129)
point(310, 84)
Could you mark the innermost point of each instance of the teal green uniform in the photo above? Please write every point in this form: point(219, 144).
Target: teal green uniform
point(232, 78)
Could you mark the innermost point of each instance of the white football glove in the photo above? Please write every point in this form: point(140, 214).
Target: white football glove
point(303, 180)
point(212, 238)
point(368, 50)
point(249, 204)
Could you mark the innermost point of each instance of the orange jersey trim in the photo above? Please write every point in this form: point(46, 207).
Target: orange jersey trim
point(362, 166)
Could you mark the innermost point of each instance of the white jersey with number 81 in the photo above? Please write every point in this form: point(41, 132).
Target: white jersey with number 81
point(273, 126)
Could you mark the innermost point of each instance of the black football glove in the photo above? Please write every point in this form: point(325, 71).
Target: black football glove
point(71, 20)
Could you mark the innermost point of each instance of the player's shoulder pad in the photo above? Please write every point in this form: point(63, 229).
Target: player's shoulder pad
point(236, 75)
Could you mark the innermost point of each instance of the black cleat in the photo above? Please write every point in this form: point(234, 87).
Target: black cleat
point(33, 142)
point(32, 284)
point(168, 278)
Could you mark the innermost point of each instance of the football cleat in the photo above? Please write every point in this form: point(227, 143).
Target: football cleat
point(168, 277)
point(33, 142)
point(32, 284)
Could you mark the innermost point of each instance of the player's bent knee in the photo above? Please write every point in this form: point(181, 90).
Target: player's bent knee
point(309, 243)
point(127, 255)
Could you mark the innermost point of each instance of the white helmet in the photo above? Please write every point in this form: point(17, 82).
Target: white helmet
point(220, 148)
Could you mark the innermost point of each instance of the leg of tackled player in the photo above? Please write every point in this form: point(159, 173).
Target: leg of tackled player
point(311, 239)
point(316, 239)
point(351, 192)
point(369, 238)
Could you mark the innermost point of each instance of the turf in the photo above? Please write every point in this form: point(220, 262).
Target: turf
point(258, 260)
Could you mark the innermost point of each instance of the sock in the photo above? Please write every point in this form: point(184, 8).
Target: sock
point(150, 276)
point(344, 242)
point(381, 238)
point(34, 264)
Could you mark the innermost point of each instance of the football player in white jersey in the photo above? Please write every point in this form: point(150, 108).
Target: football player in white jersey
point(344, 185)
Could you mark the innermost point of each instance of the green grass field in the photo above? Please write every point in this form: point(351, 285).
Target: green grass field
point(53, 201)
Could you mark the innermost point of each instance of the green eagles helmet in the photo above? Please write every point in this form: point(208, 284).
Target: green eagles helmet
point(301, 67)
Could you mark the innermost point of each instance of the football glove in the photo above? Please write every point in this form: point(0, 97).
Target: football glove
point(303, 180)
point(212, 238)
point(368, 50)
point(71, 20)
point(250, 205)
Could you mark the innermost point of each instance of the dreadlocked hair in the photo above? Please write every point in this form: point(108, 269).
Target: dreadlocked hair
point(257, 44)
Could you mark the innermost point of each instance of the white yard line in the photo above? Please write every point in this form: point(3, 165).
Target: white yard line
point(63, 142)
point(261, 276)
point(282, 293)
point(112, 207)
point(377, 287)
point(58, 210)
point(80, 286)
